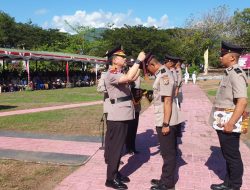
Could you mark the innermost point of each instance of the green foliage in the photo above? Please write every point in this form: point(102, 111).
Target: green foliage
point(194, 68)
point(242, 29)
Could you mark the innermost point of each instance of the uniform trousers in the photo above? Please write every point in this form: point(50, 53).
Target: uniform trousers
point(132, 130)
point(168, 153)
point(230, 144)
point(115, 138)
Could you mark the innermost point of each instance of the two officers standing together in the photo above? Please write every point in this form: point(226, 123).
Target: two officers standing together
point(121, 113)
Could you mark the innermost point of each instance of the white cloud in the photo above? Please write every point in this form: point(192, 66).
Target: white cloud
point(100, 18)
point(41, 11)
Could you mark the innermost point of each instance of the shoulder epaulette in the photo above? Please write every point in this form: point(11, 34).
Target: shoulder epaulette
point(163, 71)
point(237, 70)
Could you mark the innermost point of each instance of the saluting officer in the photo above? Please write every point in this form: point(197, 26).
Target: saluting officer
point(232, 94)
point(165, 121)
point(120, 113)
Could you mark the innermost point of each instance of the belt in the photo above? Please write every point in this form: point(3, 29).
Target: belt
point(224, 109)
point(121, 99)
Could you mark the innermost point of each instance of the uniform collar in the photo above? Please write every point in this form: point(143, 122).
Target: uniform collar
point(159, 70)
point(227, 70)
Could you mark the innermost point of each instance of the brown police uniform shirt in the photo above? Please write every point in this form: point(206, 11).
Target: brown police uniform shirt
point(164, 86)
point(232, 86)
point(102, 88)
point(119, 111)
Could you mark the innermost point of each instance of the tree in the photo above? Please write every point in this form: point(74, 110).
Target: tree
point(242, 27)
point(7, 30)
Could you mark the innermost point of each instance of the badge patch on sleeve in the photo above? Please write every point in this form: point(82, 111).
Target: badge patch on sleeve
point(165, 80)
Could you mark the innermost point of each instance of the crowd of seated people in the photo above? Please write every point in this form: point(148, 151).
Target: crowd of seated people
point(46, 80)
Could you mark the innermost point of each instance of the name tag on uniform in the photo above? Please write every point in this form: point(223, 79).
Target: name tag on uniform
point(221, 117)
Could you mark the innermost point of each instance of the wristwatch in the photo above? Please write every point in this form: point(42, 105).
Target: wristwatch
point(165, 125)
point(137, 61)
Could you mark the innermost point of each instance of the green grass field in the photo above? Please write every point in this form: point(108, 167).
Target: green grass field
point(43, 98)
point(75, 121)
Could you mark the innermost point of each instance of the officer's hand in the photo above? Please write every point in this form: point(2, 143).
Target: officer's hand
point(165, 130)
point(141, 56)
point(228, 127)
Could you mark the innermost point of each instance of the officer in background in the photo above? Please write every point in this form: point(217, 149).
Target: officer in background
point(120, 113)
point(165, 121)
point(170, 63)
point(133, 125)
point(232, 93)
point(106, 102)
point(102, 89)
point(179, 84)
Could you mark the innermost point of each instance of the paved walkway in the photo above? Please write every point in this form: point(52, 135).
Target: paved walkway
point(18, 112)
point(200, 162)
point(199, 165)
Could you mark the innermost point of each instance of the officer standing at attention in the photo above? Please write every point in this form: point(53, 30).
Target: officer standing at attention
point(179, 84)
point(232, 93)
point(101, 87)
point(120, 113)
point(133, 125)
point(170, 63)
point(165, 121)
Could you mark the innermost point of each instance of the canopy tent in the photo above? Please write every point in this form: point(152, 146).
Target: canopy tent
point(27, 55)
point(244, 62)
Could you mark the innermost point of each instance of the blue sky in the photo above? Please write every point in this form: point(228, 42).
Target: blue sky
point(160, 13)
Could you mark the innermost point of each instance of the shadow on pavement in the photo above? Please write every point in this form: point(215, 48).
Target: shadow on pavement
point(145, 141)
point(216, 162)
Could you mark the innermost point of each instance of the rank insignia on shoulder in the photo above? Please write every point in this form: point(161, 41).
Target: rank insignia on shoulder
point(163, 71)
point(237, 70)
point(165, 80)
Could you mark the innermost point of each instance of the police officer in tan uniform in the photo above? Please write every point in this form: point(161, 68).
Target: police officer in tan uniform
point(101, 87)
point(120, 113)
point(179, 84)
point(166, 120)
point(133, 125)
point(170, 63)
point(232, 94)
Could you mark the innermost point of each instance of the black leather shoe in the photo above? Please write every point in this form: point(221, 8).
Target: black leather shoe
point(159, 187)
point(123, 179)
point(221, 186)
point(155, 182)
point(116, 184)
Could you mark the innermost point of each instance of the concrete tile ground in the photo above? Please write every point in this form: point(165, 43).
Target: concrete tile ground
point(200, 162)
